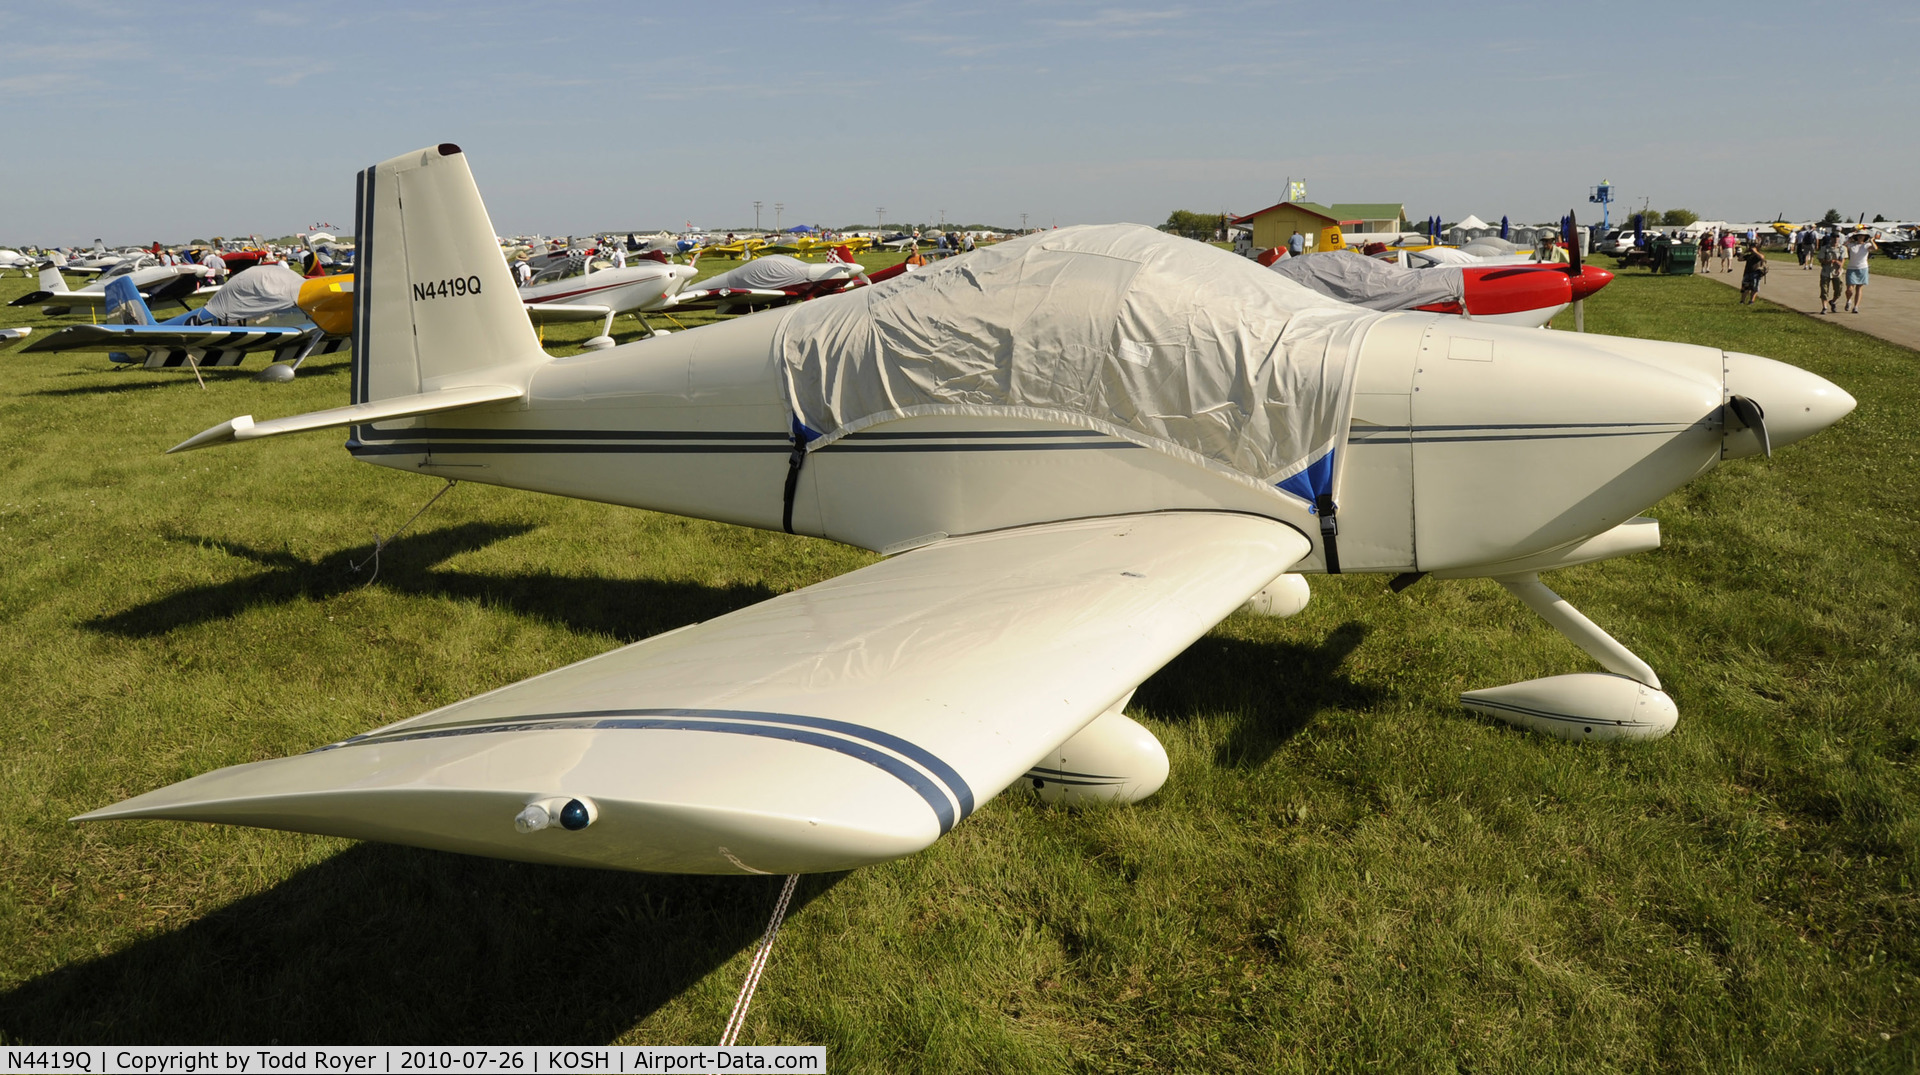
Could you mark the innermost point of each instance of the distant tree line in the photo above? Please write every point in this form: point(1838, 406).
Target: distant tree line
point(1202, 226)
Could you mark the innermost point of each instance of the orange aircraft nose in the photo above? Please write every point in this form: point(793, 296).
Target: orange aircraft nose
point(1591, 279)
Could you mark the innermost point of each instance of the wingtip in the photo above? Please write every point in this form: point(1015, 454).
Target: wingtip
point(226, 431)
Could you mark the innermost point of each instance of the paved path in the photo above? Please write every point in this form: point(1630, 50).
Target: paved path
point(1890, 309)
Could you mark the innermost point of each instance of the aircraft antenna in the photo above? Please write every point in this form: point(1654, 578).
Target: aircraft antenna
point(740, 1004)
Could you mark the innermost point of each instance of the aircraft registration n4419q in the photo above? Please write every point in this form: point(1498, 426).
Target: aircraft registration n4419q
point(1081, 449)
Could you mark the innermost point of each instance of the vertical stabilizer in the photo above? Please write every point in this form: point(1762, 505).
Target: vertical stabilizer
point(51, 280)
point(124, 304)
point(435, 305)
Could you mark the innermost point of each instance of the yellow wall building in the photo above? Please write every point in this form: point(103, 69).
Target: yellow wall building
point(1273, 225)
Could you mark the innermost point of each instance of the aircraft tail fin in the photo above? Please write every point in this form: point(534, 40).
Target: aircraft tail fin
point(1331, 238)
point(435, 305)
point(124, 304)
point(842, 254)
point(51, 280)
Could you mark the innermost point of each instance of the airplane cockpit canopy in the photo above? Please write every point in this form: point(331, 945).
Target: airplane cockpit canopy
point(1166, 342)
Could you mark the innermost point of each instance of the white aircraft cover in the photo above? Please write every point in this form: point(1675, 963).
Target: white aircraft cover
point(1489, 244)
point(773, 272)
point(1447, 255)
point(1169, 343)
point(847, 723)
point(257, 292)
point(1372, 283)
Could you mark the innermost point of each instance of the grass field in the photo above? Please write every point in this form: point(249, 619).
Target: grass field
point(1346, 871)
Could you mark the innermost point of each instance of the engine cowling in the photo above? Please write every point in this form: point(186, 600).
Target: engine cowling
point(1113, 759)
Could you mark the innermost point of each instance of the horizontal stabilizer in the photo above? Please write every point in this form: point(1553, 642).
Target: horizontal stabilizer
point(546, 313)
point(447, 399)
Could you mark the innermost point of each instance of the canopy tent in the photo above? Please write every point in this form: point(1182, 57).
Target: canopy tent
point(1472, 222)
point(1167, 343)
point(268, 289)
point(800, 229)
point(1372, 283)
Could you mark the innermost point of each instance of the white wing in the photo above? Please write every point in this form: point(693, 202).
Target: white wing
point(847, 723)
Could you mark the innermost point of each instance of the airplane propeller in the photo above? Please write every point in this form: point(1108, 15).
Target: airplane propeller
point(1574, 272)
point(1751, 416)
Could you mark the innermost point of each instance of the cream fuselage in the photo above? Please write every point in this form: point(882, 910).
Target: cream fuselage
point(1472, 445)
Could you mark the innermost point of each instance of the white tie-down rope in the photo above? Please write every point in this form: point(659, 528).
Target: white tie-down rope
point(740, 1004)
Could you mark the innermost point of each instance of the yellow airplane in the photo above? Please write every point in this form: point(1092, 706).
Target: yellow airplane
point(737, 249)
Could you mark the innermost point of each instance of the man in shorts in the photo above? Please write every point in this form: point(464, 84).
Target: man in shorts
point(1754, 270)
point(1830, 256)
point(1858, 249)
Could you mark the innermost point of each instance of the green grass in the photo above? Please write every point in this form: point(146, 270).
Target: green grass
point(1346, 870)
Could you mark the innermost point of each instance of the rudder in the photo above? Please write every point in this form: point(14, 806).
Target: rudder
point(434, 302)
point(124, 304)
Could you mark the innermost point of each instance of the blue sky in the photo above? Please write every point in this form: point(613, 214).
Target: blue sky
point(134, 121)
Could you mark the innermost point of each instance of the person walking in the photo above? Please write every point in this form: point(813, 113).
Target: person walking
point(1296, 244)
point(1830, 256)
point(1754, 272)
point(1858, 249)
point(1727, 243)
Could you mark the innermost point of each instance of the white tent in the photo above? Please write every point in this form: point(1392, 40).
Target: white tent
point(1472, 222)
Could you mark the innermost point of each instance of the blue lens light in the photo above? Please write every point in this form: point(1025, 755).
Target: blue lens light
point(574, 816)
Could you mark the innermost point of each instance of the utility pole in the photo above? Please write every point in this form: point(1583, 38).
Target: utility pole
point(943, 220)
point(777, 207)
point(1023, 222)
point(756, 216)
point(880, 218)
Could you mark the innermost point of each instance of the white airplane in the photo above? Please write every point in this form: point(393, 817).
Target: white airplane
point(157, 283)
point(771, 280)
point(573, 290)
point(1080, 451)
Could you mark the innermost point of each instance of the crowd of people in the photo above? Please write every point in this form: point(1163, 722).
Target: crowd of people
point(1839, 257)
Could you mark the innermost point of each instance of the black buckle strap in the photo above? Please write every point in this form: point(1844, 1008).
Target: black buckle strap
point(1329, 531)
point(794, 462)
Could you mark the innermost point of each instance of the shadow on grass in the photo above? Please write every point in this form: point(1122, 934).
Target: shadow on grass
point(1275, 688)
point(140, 379)
point(627, 609)
point(384, 944)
